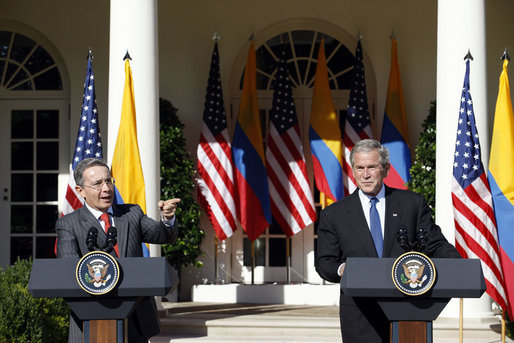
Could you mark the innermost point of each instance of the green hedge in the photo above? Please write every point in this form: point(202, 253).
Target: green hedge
point(178, 173)
point(24, 318)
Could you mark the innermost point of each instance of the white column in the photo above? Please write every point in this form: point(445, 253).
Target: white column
point(460, 26)
point(134, 28)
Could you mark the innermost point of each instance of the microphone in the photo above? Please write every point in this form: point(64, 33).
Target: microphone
point(403, 239)
point(110, 241)
point(422, 239)
point(91, 238)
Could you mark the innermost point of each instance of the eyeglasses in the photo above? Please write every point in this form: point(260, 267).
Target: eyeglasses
point(98, 185)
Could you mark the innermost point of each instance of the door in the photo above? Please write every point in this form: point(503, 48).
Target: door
point(33, 142)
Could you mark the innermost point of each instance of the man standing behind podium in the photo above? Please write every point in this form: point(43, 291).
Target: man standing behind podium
point(95, 184)
point(366, 224)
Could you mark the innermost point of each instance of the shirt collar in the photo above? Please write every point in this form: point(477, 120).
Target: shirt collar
point(97, 213)
point(366, 198)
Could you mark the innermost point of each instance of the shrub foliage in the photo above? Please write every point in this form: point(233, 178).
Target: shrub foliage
point(177, 181)
point(24, 318)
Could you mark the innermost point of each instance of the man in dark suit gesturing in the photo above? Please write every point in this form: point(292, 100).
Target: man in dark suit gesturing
point(366, 224)
point(95, 184)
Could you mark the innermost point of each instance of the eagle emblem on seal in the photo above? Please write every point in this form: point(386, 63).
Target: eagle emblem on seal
point(98, 274)
point(413, 273)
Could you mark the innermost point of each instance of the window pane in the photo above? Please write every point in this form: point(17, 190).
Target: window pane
point(5, 39)
point(21, 247)
point(46, 187)
point(21, 187)
point(260, 252)
point(265, 61)
point(277, 252)
point(22, 156)
point(2, 66)
point(22, 124)
point(50, 80)
point(302, 42)
point(39, 60)
point(11, 69)
point(274, 228)
point(45, 247)
point(22, 46)
point(47, 124)
point(47, 156)
point(46, 215)
point(21, 75)
point(21, 219)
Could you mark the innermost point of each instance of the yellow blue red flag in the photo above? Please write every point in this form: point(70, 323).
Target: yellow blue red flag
point(394, 128)
point(126, 163)
point(501, 180)
point(325, 135)
point(252, 197)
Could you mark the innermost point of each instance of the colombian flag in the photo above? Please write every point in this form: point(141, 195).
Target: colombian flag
point(252, 200)
point(325, 135)
point(126, 164)
point(394, 129)
point(501, 180)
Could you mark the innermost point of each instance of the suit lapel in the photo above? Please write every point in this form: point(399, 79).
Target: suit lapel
point(357, 222)
point(121, 223)
point(393, 214)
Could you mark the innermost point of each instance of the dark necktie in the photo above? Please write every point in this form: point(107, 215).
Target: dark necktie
point(107, 224)
point(375, 227)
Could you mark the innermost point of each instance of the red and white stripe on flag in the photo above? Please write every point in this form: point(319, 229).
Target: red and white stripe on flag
point(72, 200)
point(290, 192)
point(216, 182)
point(476, 234)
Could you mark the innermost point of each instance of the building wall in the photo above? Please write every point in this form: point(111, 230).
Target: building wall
point(185, 46)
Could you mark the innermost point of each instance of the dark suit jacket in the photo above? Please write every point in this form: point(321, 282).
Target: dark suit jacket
point(133, 228)
point(343, 232)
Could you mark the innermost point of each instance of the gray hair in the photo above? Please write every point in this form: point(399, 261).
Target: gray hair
point(367, 145)
point(85, 164)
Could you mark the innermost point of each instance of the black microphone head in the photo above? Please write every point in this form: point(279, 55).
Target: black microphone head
point(91, 239)
point(403, 239)
point(110, 241)
point(422, 239)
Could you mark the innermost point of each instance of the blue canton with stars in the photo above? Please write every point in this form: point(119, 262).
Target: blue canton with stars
point(467, 166)
point(358, 113)
point(283, 113)
point(89, 143)
point(214, 110)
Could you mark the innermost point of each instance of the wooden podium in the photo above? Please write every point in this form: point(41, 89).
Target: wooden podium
point(105, 315)
point(411, 316)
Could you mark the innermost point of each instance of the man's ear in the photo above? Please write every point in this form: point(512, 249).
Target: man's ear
point(387, 168)
point(80, 190)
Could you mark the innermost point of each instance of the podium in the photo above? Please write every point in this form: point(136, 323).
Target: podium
point(103, 315)
point(411, 316)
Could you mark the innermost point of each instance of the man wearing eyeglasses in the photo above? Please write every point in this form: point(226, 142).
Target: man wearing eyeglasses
point(366, 224)
point(95, 184)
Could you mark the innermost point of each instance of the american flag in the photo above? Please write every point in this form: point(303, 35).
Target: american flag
point(89, 143)
point(215, 168)
point(290, 192)
point(357, 125)
point(476, 234)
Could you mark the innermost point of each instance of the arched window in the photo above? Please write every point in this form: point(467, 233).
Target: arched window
point(26, 65)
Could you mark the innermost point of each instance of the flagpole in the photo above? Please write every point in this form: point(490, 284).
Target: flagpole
point(461, 320)
point(216, 259)
point(253, 259)
point(288, 260)
point(503, 326)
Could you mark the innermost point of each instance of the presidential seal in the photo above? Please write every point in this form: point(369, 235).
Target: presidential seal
point(413, 273)
point(97, 273)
